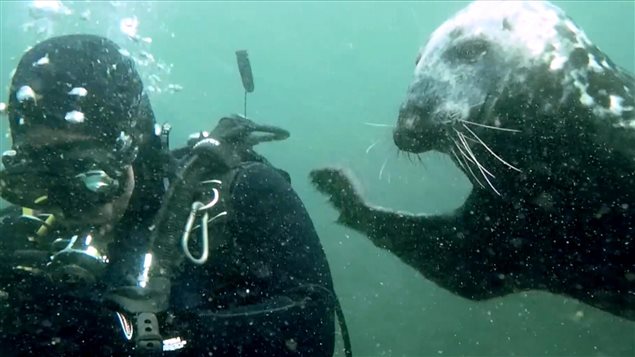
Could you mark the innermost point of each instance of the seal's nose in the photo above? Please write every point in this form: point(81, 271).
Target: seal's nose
point(403, 140)
point(405, 133)
point(416, 132)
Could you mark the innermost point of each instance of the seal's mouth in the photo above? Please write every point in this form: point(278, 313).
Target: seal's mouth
point(422, 128)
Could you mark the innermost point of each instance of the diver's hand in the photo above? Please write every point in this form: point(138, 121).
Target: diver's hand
point(343, 195)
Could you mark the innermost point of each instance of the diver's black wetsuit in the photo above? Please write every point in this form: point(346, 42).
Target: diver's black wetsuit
point(268, 292)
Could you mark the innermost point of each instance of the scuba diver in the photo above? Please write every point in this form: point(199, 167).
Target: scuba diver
point(117, 245)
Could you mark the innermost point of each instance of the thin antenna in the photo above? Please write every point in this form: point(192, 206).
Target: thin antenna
point(244, 67)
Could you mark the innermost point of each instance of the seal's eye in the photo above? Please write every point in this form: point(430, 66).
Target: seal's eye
point(468, 51)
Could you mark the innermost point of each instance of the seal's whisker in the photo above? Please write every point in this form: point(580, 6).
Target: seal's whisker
point(410, 157)
point(368, 149)
point(481, 168)
point(491, 151)
point(471, 153)
point(463, 154)
point(488, 181)
point(381, 171)
point(379, 125)
point(458, 161)
point(467, 160)
point(454, 116)
point(489, 126)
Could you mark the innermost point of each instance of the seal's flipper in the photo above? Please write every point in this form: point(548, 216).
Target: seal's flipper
point(343, 194)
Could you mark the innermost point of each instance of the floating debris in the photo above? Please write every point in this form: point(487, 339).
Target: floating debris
point(85, 15)
point(47, 8)
point(25, 93)
point(147, 55)
point(129, 26)
point(74, 117)
point(78, 91)
point(10, 153)
point(42, 61)
point(175, 87)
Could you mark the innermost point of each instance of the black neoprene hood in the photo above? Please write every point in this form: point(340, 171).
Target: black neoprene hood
point(83, 84)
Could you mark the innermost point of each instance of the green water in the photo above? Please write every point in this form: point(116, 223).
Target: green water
point(322, 70)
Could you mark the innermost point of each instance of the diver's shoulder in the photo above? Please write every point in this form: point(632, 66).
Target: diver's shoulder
point(261, 174)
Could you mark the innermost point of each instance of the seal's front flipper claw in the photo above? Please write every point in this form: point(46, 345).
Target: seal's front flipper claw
point(343, 193)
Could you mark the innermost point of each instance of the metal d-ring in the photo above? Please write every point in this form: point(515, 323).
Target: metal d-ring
point(197, 207)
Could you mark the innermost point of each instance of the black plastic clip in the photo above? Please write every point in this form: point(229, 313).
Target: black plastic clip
point(148, 338)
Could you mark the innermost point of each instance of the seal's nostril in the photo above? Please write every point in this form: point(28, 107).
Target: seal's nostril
point(404, 140)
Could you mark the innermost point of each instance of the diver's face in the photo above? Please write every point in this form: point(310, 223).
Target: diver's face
point(67, 163)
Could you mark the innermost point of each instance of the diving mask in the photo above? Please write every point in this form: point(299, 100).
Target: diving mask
point(75, 178)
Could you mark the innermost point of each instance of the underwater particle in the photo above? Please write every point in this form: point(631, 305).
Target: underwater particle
point(21, 121)
point(175, 87)
point(124, 141)
point(25, 93)
point(85, 15)
point(78, 91)
point(154, 78)
point(74, 117)
point(291, 344)
point(42, 61)
point(129, 26)
point(157, 129)
point(577, 316)
point(147, 55)
point(124, 53)
point(47, 8)
point(3, 108)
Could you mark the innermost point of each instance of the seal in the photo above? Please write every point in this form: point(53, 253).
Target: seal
point(543, 123)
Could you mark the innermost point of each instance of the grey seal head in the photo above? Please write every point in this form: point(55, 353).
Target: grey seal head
point(501, 71)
